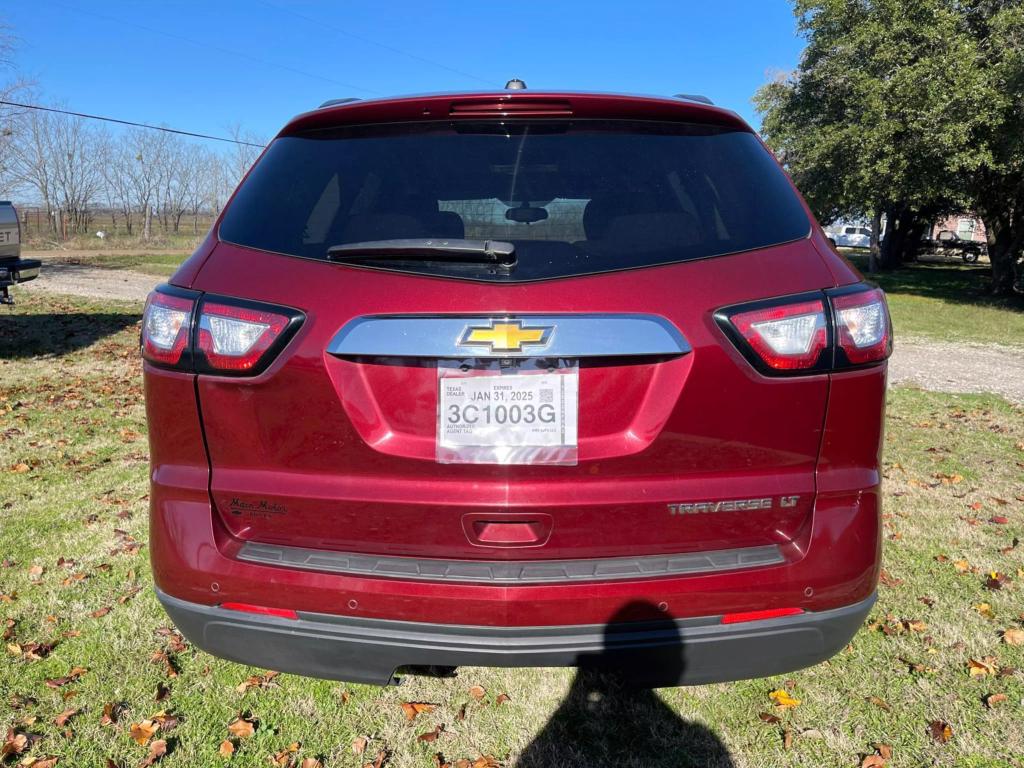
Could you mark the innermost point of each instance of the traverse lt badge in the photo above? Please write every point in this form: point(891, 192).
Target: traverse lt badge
point(506, 336)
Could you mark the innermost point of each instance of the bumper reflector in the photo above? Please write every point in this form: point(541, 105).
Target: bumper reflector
point(771, 613)
point(262, 610)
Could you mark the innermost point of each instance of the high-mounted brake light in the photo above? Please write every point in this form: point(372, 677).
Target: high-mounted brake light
point(812, 332)
point(862, 326)
point(166, 323)
point(188, 331)
point(786, 337)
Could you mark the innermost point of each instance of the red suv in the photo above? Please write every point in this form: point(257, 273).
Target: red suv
point(517, 379)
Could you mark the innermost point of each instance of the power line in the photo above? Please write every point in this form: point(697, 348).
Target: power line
point(368, 41)
point(209, 46)
point(131, 123)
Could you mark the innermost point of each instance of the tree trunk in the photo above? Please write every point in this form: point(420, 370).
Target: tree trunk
point(147, 223)
point(876, 227)
point(1000, 253)
point(897, 221)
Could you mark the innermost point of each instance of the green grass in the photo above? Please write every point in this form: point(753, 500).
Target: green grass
point(73, 473)
point(948, 301)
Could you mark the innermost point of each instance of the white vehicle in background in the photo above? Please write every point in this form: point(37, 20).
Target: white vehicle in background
point(846, 235)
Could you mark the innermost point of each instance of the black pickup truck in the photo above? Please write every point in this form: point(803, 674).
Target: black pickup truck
point(13, 268)
point(949, 242)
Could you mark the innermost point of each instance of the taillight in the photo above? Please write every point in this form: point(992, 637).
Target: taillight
point(787, 337)
point(210, 334)
point(166, 326)
point(232, 338)
point(811, 332)
point(863, 334)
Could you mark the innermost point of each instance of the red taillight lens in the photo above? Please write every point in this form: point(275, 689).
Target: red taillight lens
point(166, 323)
point(786, 337)
point(188, 331)
point(862, 326)
point(235, 338)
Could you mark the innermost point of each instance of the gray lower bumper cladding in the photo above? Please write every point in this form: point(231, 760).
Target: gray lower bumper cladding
point(654, 654)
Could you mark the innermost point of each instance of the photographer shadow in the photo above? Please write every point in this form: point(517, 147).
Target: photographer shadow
point(611, 717)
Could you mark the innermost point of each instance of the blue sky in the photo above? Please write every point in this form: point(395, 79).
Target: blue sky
point(202, 66)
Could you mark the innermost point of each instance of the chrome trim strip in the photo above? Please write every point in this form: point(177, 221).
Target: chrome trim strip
point(511, 572)
point(582, 335)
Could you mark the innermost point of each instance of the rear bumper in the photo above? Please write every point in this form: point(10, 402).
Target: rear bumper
point(19, 270)
point(681, 652)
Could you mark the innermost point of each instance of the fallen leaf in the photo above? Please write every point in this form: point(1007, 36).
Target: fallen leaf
point(787, 739)
point(431, 736)
point(1013, 636)
point(14, 743)
point(982, 667)
point(156, 750)
point(996, 580)
point(477, 692)
point(985, 610)
point(414, 708)
point(142, 732)
point(940, 731)
point(100, 612)
point(880, 703)
point(283, 759)
point(769, 718)
point(359, 745)
point(226, 748)
point(993, 700)
point(782, 699)
point(162, 692)
point(112, 712)
point(873, 761)
point(884, 751)
point(502, 698)
point(257, 681)
point(962, 566)
point(62, 719)
point(310, 762)
point(242, 727)
point(378, 762)
point(72, 676)
point(39, 762)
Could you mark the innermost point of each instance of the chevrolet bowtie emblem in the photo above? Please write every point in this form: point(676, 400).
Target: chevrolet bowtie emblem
point(506, 336)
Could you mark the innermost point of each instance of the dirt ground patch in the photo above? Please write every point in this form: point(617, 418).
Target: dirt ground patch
point(91, 282)
point(957, 367)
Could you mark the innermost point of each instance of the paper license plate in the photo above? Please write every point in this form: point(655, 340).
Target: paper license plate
point(508, 419)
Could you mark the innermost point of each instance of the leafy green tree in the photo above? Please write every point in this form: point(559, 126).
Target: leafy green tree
point(885, 112)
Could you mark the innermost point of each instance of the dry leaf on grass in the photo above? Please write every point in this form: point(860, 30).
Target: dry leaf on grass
point(143, 731)
point(477, 692)
point(414, 708)
point(431, 736)
point(940, 731)
point(982, 667)
point(156, 750)
point(359, 745)
point(993, 700)
point(226, 748)
point(783, 699)
point(242, 727)
point(1013, 636)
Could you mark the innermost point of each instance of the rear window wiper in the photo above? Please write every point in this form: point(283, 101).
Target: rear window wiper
point(427, 249)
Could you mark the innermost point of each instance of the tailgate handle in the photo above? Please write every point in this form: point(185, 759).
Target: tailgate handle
point(507, 530)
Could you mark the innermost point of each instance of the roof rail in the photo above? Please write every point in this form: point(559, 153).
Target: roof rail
point(695, 97)
point(336, 102)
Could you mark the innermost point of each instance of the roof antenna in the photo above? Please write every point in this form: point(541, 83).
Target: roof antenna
point(515, 84)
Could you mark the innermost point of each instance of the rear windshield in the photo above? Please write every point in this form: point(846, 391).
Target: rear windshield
point(573, 197)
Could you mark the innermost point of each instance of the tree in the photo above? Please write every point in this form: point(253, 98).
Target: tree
point(997, 188)
point(882, 113)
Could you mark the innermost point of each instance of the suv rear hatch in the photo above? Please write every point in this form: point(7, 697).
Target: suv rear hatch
point(621, 228)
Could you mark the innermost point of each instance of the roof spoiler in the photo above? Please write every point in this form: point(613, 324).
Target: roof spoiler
point(695, 97)
point(336, 102)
